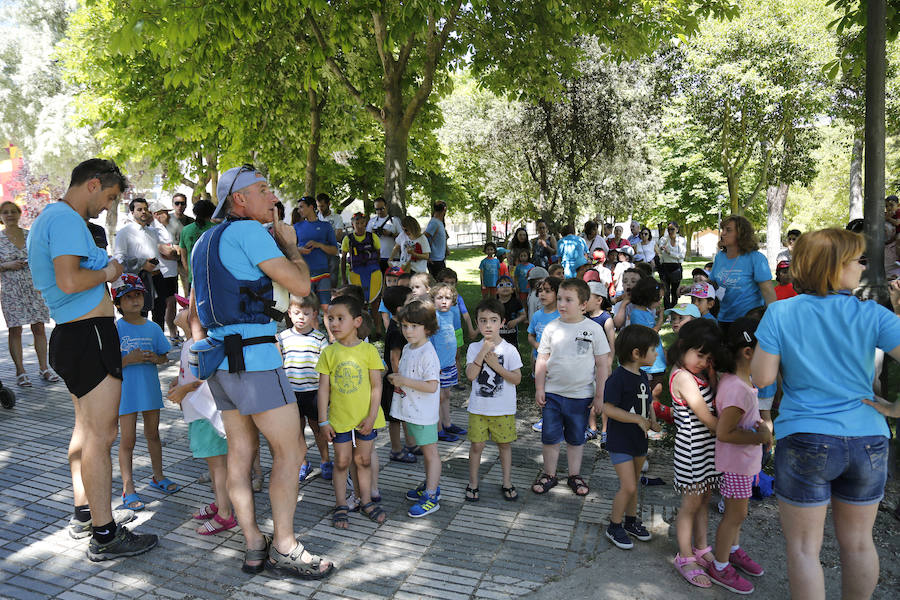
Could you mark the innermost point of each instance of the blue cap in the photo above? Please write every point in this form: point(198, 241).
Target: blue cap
point(233, 180)
point(685, 309)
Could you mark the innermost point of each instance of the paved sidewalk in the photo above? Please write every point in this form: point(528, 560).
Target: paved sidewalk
point(489, 549)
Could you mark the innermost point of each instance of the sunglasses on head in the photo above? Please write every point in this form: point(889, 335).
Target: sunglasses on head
point(245, 168)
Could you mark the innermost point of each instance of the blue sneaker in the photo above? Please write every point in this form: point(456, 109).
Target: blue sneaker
point(455, 429)
point(418, 493)
point(304, 471)
point(446, 436)
point(425, 506)
point(539, 426)
point(590, 434)
point(603, 439)
point(327, 470)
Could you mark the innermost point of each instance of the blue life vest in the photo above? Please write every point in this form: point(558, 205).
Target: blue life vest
point(222, 299)
point(363, 254)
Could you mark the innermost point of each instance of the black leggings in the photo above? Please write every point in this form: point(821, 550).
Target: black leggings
point(670, 277)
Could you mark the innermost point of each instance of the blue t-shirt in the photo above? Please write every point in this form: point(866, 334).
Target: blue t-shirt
point(242, 247)
point(740, 276)
point(571, 250)
point(521, 273)
point(437, 239)
point(461, 304)
point(140, 382)
point(539, 321)
point(713, 318)
point(640, 316)
point(768, 391)
point(827, 349)
point(490, 271)
point(631, 393)
point(60, 231)
point(444, 339)
point(316, 231)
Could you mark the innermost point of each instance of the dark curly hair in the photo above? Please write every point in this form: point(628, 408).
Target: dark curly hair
point(746, 236)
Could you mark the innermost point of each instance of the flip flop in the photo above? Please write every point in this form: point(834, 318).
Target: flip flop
point(129, 499)
point(164, 484)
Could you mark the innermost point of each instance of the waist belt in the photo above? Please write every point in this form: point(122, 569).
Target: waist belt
point(234, 349)
point(315, 278)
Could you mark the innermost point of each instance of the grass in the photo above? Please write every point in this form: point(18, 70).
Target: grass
point(465, 262)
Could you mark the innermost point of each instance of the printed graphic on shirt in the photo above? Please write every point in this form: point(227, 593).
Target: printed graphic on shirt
point(584, 342)
point(643, 396)
point(130, 342)
point(348, 377)
point(489, 382)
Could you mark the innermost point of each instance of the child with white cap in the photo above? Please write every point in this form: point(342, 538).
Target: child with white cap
point(703, 296)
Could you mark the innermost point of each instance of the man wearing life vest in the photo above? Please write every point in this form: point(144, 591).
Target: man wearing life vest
point(234, 266)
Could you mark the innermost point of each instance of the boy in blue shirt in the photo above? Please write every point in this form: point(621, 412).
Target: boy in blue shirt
point(317, 242)
point(445, 342)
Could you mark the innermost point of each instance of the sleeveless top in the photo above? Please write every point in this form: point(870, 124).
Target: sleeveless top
point(362, 253)
point(695, 444)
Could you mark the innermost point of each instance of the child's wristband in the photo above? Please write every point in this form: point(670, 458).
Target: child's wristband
point(324, 423)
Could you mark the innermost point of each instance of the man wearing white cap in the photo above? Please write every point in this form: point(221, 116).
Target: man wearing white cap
point(234, 266)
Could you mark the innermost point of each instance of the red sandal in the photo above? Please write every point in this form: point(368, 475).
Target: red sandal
point(207, 512)
point(221, 525)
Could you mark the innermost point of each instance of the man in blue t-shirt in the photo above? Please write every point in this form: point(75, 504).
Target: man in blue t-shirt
point(259, 398)
point(317, 243)
point(71, 273)
point(436, 233)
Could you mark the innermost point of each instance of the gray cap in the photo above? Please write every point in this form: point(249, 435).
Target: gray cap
point(232, 180)
point(156, 207)
point(538, 273)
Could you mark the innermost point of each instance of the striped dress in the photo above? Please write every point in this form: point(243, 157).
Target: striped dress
point(695, 444)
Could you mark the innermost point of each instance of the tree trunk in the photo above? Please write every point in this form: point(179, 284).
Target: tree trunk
point(212, 166)
point(396, 152)
point(733, 186)
point(776, 198)
point(488, 225)
point(315, 137)
point(112, 221)
point(856, 181)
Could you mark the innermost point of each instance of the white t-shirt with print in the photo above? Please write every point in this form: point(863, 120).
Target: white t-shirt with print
point(412, 406)
point(572, 348)
point(492, 395)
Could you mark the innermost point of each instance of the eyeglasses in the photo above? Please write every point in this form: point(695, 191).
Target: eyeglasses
point(180, 203)
point(245, 168)
point(671, 229)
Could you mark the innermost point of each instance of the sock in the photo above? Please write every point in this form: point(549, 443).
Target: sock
point(735, 548)
point(106, 533)
point(431, 493)
point(629, 520)
point(83, 513)
point(720, 566)
point(614, 525)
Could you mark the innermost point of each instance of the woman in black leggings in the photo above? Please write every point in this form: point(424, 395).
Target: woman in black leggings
point(670, 248)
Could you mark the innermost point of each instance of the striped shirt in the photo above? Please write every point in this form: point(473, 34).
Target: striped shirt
point(695, 444)
point(301, 353)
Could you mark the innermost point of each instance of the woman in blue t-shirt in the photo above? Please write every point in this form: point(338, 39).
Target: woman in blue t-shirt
point(832, 442)
point(741, 270)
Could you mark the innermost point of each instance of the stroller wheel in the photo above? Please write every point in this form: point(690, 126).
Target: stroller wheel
point(7, 398)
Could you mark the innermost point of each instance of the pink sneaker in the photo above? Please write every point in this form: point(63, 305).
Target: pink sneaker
point(746, 564)
point(730, 580)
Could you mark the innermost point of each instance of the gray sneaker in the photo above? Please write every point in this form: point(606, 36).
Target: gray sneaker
point(124, 544)
point(79, 530)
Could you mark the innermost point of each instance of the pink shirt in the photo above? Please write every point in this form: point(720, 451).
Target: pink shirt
point(743, 459)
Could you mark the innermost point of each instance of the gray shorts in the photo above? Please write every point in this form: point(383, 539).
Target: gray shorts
point(251, 392)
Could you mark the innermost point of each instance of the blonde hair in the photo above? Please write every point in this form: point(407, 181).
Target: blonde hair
point(444, 286)
point(410, 223)
point(426, 278)
point(819, 258)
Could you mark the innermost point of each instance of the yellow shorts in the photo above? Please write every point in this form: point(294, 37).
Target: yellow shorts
point(501, 428)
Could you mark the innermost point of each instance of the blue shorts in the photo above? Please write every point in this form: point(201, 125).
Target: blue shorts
point(811, 468)
point(449, 376)
point(565, 418)
point(349, 436)
point(617, 458)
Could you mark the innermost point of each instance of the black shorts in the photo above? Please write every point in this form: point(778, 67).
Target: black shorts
point(308, 402)
point(84, 352)
point(387, 399)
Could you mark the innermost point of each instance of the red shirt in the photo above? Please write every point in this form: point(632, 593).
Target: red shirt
point(783, 292)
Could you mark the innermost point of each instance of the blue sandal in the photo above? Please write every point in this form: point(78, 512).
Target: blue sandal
point(129, 499)
point(164, 485)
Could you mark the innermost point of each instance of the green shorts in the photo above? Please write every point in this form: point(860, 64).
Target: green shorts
point(205, 440)
point(424, 434)
point(501, 428)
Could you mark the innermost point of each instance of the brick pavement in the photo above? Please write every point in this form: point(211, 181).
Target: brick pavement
point(490, 549)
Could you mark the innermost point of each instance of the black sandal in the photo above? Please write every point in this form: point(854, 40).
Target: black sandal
point(544, 483)
point(509, 493)
point(575, 482)
point(256, 555)
point(340, 515)
point(471, 494)
point(376, 514)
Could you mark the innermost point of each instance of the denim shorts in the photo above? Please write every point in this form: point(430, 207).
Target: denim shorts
point(617, 458)
point(565, 418)
point(349, 436)
point(811, 468)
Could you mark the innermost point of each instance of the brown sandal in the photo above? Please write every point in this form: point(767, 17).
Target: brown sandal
point(544, 483)
point(575, 482)
point(256, 555)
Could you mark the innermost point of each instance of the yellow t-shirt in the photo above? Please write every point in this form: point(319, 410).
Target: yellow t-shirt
point(351, 390)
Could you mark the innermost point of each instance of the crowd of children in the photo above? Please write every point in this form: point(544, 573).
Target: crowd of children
point(596, 355)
